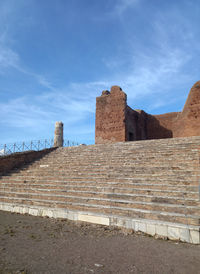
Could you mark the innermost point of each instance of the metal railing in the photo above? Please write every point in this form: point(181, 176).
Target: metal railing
point(6, 149)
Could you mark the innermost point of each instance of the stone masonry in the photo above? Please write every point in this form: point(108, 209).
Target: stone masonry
point(58, 136)
point(117, 122)
point(150, 186)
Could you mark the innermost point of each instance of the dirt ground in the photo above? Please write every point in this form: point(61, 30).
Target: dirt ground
point(42, 245)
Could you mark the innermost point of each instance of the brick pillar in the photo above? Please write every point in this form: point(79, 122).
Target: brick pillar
point(110, 116)
point(58, 136)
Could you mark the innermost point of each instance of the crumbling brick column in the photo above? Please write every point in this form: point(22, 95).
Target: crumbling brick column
point(110, 116)
point(58, 136)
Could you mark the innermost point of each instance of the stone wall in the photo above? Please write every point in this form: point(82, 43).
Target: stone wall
point(110, 116)
point(116, 121)
point(16, 160)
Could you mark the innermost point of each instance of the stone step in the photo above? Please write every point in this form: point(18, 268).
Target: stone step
point(122, 168)
point(94, 164)
point(190, 200)
point(98, 185)
point(106, 209)
point(113, 190)
point(189, 176)
point(180, 158)
point(170, 181)
point(112, 149)
point(112, 176)
point(153, 179)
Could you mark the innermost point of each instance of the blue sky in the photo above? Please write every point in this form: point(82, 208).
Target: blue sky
point(56, 57)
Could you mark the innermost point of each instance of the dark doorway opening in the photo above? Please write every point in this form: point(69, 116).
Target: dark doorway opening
point(130, 136)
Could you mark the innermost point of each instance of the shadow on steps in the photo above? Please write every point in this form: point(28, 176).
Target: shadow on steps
point(13, 163)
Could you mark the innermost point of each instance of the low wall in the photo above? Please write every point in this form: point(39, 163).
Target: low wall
point(16, 160)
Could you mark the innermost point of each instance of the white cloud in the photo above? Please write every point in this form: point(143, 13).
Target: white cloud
point(76, 102)
point(122, 5)
point(151, 73)
point(73, 104)
point(141, 71)
point(8, 58)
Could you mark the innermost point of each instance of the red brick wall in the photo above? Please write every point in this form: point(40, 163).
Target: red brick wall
point(188, 123)
point(160, 126)
point(136, 124)
point(115, 121)
point(110, 116)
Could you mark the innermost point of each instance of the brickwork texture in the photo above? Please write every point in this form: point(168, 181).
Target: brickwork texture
point(116, 121)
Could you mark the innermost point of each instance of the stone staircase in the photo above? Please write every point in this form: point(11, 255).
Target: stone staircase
point(150, 186)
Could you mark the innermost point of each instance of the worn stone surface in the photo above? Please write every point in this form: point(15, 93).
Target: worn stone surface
point(18, 160)
point(93, 219)
point(116, 121)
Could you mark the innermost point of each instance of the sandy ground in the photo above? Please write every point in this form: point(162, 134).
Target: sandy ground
point(41, 245)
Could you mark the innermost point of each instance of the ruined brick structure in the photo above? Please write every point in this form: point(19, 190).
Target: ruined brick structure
point(117, 122)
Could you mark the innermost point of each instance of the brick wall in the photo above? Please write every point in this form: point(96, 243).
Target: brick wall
point(110, 116)
point(116, 122)
point(16, 160)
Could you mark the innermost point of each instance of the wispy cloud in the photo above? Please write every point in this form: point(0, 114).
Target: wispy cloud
point(162, 66)
point(122, 5)
point(8, 58)
point(147, 65)
point(69, 105)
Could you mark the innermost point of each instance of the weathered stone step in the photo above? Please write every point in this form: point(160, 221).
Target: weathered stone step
point(100, 185)
point(180, 158)
point(110, 199)
point(117, 152)
point(112, 176)
point(128, 147)
point(171, 181)
point(154, 179)
point(122, 169)
point(95, 165)
point(108, 209)
point(189, 176)
point(109, 193)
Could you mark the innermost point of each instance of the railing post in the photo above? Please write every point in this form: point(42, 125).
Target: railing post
point(14, 147)
point(23, 146)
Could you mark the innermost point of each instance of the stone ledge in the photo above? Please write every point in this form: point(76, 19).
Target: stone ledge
point(172, 231)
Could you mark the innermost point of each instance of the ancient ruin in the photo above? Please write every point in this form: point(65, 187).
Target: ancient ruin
point(58, 134)
point(117, 122)
point(151, 186)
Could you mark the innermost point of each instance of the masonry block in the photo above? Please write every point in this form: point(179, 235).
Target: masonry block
point(161, 230)
point(173, 233)
point(195, 236)
point(93, 219)
point(151, 229)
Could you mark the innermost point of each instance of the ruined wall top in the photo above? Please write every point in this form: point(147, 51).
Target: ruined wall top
point(116, 121)
point(193, 98)
point(115, 91)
